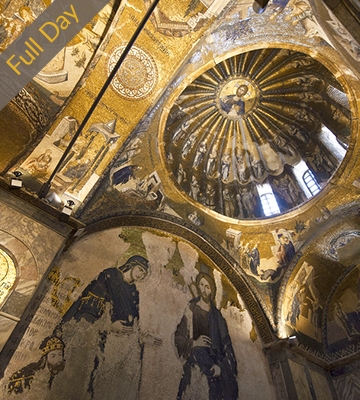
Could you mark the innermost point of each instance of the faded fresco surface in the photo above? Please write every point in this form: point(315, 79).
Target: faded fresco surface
point(343, 322)
point(326, 321)
point(145, 316)
point(303, 304)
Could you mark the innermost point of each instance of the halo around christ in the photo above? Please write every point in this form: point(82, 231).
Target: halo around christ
point(236, 97)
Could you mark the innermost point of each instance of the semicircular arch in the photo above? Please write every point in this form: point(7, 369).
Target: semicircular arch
point(210, 248)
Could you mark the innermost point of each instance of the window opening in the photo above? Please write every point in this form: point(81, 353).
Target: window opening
point(268, 200)
point(311, 182)
point(338, 149)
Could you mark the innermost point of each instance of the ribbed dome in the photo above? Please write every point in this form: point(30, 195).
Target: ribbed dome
point(258, 134)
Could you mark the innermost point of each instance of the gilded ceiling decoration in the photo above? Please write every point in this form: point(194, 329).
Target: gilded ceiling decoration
point(7, 275)
point(138, 73)
point(258, 134)
point(179, 21)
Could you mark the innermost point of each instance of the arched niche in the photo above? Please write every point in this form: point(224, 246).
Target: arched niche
point(20, 283)
point(342, 319)
point(80, 278)
point(317, 299)
point(8, 276)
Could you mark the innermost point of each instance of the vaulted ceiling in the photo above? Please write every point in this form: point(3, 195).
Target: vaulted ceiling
point(249, 121)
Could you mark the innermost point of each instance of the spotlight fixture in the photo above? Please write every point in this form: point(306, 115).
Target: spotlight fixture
point(67, 210)
point(259, 6)
point(293, 340)
point(16, 182)
point(53, 199)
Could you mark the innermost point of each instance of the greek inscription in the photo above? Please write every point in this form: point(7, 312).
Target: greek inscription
point(59, 300)
point(157, 42)
point(31, 331)
point(43, 323)
point(26, 344)
point(48, 313)
point(19, 356)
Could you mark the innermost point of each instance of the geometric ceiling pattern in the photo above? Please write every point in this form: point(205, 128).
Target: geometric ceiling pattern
point(258, 134)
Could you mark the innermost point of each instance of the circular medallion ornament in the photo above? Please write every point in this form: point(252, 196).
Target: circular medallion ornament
point(137, 75)
point(4, 266)
point(7, 275)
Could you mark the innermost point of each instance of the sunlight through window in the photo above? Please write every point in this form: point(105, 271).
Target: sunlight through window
point(268, 200)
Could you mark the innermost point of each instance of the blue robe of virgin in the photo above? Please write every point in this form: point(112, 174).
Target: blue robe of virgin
point(108, 287)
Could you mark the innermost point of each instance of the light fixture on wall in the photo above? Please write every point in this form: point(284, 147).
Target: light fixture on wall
point(293, 340)
point(67, 210)
point(259, 6)
point(54, 199)
point(16, 182)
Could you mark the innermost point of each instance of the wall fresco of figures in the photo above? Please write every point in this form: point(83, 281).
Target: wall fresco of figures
point(343, 318)
point(265, 262)
point(59, 77)
point(302, 304)
point(128, 182)
point(144, 315)
point(39, 101)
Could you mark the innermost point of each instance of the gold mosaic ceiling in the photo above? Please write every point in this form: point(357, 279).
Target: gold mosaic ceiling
point(252, 126)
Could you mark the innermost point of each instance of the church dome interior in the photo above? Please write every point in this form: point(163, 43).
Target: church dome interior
point(258, 134)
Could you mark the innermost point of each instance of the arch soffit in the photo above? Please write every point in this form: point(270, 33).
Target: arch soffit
point(27, 273)
point(337, 219)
